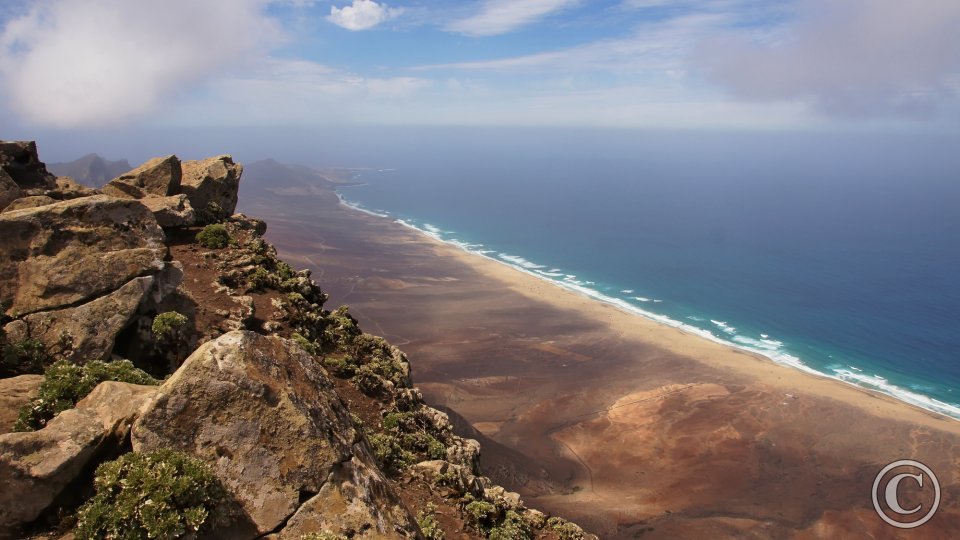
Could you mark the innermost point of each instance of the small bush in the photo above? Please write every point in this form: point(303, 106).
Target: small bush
point(163, 494)
point(323, 536)
point(564, 529)
point(166, 325)
point(513, 527)
point(27, 356)
point(307, 345)
point(391, 455)
point(64, 384)
point(212, 213)
point(369, 382)
point(213, 237)
point(341, 367)
point(427, 521)
point(259, 279)
point(481, 515)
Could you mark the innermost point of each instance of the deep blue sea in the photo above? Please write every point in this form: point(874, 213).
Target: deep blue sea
point(837, 254)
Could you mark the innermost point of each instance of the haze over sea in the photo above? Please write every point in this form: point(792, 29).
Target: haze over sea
point(837, 254)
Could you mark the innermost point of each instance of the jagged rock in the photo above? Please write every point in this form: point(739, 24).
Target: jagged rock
point(465, 452)
point(15, 392)
point(258, 226)
point(212, 180)
point(173, 211)
point(159, 177)
point(20, 161)
point(35, 467)
point(67, 188)
point(86, 332)
point(354, 497)
point(263, 413)
point(73, 251)
point(9, 190)
point(33, 201)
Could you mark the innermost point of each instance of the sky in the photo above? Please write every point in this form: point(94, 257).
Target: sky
point(70, 66)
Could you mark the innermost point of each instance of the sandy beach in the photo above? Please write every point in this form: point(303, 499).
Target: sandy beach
point(630, 427)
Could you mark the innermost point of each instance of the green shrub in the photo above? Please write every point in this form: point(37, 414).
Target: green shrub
point(341, 367)
point(513, 527)
point(213, 237)
point(285, 271)
point(307, 345)
point(64, 384)
point(564, 529)
point(166, 325)
point(369, 382)
point(164, 494)
point(27, 356)
point(212, 213)
point(427, 521)
point(481, 515)
point(388, 451)
point(259, 279)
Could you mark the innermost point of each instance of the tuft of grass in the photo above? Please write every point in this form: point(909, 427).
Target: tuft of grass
point(64, 384)
point(164, 494)
point(427, 521)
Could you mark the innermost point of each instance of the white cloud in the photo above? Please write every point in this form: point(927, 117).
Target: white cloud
point(362, 15)
point(502, 16)
point(847, 57)
point(69, 63)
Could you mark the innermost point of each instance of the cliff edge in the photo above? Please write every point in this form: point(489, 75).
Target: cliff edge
point(165, 374)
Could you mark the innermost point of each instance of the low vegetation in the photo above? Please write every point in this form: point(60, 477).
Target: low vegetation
point(214, 236)
point(163, 494)
point(167, 325)
point(64, 384)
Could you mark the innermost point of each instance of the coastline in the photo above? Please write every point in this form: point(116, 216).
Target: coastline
point(925, 404)
point(626, 425)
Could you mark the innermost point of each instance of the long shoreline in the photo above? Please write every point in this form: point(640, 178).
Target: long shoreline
point(510, 273)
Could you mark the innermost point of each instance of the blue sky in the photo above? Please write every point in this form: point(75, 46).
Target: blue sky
point(874, 65)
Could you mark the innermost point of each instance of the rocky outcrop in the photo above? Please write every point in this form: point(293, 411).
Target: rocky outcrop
point(67, 188)
point(158, 177)
point(214, 180)
point(262, 412)
point(36, 467)
point(71, 252)
point(174, 211)
point(15, 392)
point(9, 190)
point(20, 161)
point(85, 332)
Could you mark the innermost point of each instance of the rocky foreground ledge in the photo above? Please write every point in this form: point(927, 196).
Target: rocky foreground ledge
point(263, 414)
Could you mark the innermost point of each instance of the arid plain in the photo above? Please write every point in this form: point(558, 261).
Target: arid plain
point(632, 428)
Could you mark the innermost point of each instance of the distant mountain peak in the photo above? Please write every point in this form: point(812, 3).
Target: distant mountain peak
point(92, 169)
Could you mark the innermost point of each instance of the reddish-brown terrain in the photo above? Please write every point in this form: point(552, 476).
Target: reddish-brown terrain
point(632, 429)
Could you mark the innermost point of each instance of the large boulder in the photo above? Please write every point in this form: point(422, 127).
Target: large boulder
point(15, 392)
point(85, 332)
point(74, 251)
point(213, 180)
point(37, 467)
point(68, 188)
point(159, 177)
point(263, 413)
point(9, 190)
point(173, 211)
point(20, 161)
point(32, 201)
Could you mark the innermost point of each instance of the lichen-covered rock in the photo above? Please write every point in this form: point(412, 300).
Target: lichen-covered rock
point(20, 161)
point(263, 413)
point(173, 211)
point(86, 332)
point(9, 190)
point(354, 497)
point(15, 392)
point(159, 177)
point(213, 180)
point(73, 251)
point(35, 467)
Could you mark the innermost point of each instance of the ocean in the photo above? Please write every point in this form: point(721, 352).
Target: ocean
point(835, 254)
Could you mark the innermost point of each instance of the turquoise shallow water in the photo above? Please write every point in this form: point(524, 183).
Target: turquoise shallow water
point(847, 267)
